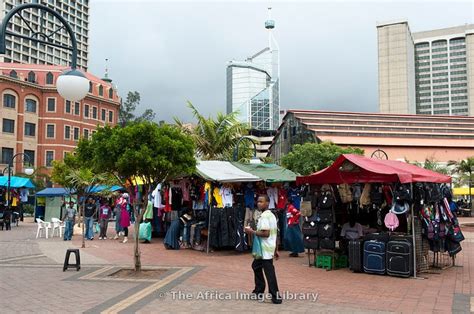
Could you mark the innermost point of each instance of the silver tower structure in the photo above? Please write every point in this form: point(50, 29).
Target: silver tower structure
point(253, 85)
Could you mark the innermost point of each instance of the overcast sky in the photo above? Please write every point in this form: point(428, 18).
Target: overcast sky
point(176, 51)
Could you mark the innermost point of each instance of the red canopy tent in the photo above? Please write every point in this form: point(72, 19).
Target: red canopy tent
point(350, 168)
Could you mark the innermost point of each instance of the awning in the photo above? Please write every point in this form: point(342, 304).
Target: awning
point(462, 191)
point(350, 168)
point(268, 172)
point(223, 171)
point(54, 192)
point(100, 188)
point(17, 182)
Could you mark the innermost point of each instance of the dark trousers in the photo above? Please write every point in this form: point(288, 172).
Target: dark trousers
point(104, 224)
point(260, 266)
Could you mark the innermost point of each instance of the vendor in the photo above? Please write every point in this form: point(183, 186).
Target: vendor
point(352, 230)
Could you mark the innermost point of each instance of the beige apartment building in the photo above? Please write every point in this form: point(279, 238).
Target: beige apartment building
point(429, 72)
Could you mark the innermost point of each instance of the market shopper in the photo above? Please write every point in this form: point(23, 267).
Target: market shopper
point(124, 221)
point(104, 216)
point(69, 220)
point(267, 235)
point(90, 211)
point(293, 236)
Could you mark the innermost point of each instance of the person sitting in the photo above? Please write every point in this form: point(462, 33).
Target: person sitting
point(351, 230)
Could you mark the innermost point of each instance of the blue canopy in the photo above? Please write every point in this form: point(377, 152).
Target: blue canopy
point(100, 188)
point(17, 182)
point(54, 192)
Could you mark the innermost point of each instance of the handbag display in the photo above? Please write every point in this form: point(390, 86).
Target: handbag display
point(309, 228)
point(306, 210)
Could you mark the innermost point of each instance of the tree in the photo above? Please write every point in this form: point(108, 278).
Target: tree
point(76, 176)
point(431, 164)
point(127, 110)
point(139, 150)
point(465, 168)
point(310, 157)
point(216, 138)
point(39, 177)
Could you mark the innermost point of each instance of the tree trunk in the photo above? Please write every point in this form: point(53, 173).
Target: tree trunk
point(470, 193)
point(138, 219)
point(83, 229)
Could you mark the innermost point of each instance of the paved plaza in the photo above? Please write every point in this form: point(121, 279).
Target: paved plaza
point(32, 280)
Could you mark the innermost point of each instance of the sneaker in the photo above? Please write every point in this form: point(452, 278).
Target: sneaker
point(125, 240)
point(116, 237)
point(105, 238)
point(100, 238)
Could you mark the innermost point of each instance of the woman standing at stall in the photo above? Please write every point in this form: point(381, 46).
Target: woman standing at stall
point(293, 236)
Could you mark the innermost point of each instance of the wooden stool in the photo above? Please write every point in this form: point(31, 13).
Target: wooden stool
point(78, 259)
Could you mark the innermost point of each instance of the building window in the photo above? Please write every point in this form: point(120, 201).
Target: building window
point(86, 111)
point(77, 109)
point(76, 134)
point(86, 134)
point(90, 87)
point(7, 155)
point(94, 112)
point(67, 132)
point(111, 116)
point(50, 130)
point(51, 105)
point(111, 93)
point(30, 129)
point(8, 126)
point(9, 101)
point(68, 106)
point(13, 74)
point(49, 158)
point(32, 77)
point(30, 160)
point(30, 105)
point(103, 113)
point(49, 78)
point(101, 90)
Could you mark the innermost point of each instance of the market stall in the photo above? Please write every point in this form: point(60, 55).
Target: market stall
point(388, 192)
point(49, 202)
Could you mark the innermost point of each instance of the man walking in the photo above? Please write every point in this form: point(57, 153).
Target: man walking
point(69, 219)
point(90, 211)
point(267, 232)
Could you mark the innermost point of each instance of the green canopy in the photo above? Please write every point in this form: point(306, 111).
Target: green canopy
point(268, 172)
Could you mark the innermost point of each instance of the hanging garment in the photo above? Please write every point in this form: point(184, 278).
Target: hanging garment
point(207, 193)
point(184, 185)
point(282, 198)
point(249, 196)
point(157, 196)
point(217, 197)
point(272, 193)
point(167, 208)
point(227, 196)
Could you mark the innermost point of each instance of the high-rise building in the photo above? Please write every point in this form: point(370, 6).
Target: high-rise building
point(19, 50)
point(429, 72)
point(253, 86)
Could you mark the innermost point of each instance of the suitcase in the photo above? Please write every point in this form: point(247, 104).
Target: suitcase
point(381, 237)
point(374, 257)
point(311, 242)
point(401, 237)
point(309, 228)
point(355, 255)
point(325, 216)
point(325, 230)
point(327, 243)
point(399, 258)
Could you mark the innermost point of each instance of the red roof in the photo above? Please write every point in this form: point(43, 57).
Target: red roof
point(350, 168)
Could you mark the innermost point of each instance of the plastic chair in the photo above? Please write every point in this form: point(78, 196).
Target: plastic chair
point(57, 225)
point(42, 226)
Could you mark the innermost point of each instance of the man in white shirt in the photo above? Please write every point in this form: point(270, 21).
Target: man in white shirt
point(267, 234)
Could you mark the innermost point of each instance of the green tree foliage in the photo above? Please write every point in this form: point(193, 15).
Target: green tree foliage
point(465, 170)
point(216, 138)
point(139, 150)
point(310, 157)
point(433, 165)
point(127, 110)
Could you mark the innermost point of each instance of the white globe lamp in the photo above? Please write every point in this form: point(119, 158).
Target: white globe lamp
point(72, 85)
point(29, 171)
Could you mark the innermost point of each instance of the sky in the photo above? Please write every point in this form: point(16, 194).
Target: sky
point(176, 51)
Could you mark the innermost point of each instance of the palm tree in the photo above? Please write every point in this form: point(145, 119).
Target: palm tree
point(215, 138)
point(465, 168)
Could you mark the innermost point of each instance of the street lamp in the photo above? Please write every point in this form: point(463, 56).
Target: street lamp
point(255, 159)
point(72, 84)
point(29, 171)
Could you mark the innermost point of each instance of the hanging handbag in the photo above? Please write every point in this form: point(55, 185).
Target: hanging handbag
point(257, 251)
point(306, 210)
point(309, 228)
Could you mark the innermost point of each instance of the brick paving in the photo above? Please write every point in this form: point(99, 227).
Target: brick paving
point(34, 281)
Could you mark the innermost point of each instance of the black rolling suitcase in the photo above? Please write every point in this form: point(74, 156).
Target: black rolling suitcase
point(399, 258)
point(356, 248)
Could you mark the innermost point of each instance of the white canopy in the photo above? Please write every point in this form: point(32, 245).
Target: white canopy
point(223, 171)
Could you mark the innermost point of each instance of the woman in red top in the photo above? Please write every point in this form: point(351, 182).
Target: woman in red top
point(293, 236)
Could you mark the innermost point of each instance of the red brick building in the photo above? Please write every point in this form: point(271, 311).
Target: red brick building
point(37, 121)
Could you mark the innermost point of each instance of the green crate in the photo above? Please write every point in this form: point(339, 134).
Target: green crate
point(324, 261)
point(342, 261)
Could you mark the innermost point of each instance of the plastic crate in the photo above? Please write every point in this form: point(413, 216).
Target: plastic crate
point(342, 261)
point(324, 261)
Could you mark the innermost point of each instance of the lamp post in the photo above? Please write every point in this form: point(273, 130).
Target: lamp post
point(72, 84)
point(28, 171)
point(255, 159)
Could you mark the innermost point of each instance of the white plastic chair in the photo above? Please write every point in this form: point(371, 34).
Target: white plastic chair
point(42, 226)
point(57, 225)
